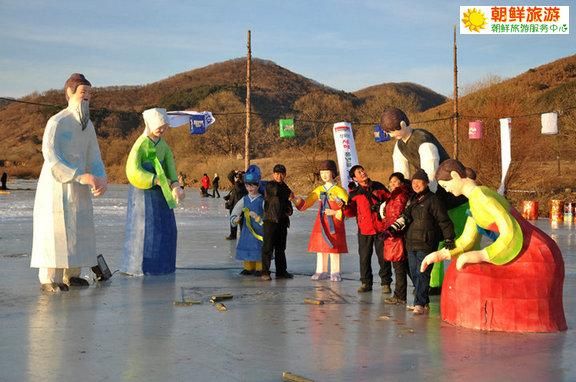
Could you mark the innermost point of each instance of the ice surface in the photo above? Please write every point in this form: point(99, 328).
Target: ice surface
point(129, 329)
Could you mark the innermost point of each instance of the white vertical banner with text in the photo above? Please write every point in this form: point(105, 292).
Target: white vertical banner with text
point(506, 151)
point(345, 150)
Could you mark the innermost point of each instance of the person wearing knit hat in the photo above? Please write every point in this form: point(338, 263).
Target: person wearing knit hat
point(328, 238)
point(425, 222)
point(249, 213)
point(421, 175)
point(72, 173)
point(279, 168)
point(277, 212)
point(153, 193)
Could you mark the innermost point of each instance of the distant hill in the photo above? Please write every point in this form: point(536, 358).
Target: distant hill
point(278, 93)
point(550, 87)
point(425, 98)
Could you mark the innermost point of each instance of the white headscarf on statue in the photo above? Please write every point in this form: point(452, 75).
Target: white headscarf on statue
point(154, 118)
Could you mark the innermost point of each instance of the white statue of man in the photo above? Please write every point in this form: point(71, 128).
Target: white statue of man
point(73, 172)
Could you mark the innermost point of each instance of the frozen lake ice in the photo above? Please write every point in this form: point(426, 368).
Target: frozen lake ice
point(129, 329)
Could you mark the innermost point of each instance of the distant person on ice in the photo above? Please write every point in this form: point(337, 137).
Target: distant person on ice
point(150, 246)
point(73, 172)
point(215, 185)
point(182, 179)
point(205, 185)
point(3, 180)
point(236, 193)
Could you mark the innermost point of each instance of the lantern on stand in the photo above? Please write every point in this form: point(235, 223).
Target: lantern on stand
point(475, 129)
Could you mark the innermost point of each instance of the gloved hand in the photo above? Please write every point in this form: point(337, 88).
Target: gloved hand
point(385, 235)
point(397, 227)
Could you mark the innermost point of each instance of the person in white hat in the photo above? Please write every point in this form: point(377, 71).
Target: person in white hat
point(151, 234)
point(73, 172)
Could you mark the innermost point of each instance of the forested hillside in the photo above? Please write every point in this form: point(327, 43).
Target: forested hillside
point(279, 93)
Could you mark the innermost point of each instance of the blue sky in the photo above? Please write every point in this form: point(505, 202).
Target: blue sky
point(345, 44)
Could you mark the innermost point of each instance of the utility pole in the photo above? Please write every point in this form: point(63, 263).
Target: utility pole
point(248, 82)
point(456, 116)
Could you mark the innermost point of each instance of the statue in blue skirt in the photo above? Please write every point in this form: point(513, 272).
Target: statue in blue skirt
point(248, 212)
point(151, 234)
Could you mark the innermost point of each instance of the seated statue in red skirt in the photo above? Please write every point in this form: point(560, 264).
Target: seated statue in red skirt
point(515, 283)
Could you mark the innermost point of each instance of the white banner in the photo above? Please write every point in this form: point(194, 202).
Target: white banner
point(506, 151)
point(345, 150)
point(180, 118)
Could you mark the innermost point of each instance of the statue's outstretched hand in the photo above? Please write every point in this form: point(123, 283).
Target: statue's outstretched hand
point(434, 257)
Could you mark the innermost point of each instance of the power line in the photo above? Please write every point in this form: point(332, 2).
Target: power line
point(30, 103)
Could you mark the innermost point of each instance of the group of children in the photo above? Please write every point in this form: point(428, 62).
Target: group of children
point(264, 206)
point(264, 215)
point(265, 219)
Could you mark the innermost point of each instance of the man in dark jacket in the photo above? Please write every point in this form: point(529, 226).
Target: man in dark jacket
point(277, 212)
point(215, 185)
point(364, 203)
point(426, 222)
point(236, 193)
